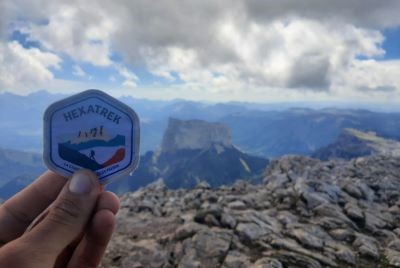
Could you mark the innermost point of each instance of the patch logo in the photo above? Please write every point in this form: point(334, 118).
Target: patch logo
point(94, 131)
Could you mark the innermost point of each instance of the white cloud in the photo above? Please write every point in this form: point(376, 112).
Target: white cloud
point(24, 69)
point(78, 71)
point(130, 79)
point(80, 31)
point(296, 54)
point(372, 76)
point(220, 47)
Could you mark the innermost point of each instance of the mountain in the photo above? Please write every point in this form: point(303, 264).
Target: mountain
point(21, 120)
point(302, 131)
point(18, 169)
point(22, 129)
point(269, 130)
point(306, 213)
point(353, 143)
point(193, 151)
point(194, 134)
point(15, 184)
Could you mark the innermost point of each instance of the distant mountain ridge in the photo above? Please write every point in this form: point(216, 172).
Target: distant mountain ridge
point(352, 143)
point(17, 170)
point(302, 131)
point(270, 130)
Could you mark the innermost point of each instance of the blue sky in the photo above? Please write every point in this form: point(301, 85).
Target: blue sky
point(239, 50)
point(391, 45)
point(99, 74)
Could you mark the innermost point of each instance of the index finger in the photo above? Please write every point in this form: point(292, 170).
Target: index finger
point(20, 210)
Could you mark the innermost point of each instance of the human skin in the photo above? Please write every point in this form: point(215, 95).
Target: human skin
point(77, 219)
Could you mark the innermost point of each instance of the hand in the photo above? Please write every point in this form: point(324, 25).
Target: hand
point(74, 232)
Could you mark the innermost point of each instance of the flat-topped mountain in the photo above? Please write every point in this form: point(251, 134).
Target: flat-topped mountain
point(194, 134)
point(354, 143)
point(194, 151)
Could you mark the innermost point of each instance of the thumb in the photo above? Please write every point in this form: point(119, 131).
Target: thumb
point(68, 215)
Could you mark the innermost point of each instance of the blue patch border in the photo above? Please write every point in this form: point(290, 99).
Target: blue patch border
point(112, 105)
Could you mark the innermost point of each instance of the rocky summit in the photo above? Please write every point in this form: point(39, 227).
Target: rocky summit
point(306, 213)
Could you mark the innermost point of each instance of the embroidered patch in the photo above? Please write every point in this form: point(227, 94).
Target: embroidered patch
point(91, 130)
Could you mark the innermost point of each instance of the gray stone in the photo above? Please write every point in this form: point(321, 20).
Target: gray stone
point(287, 218)
point(288, 259)
point(353, 190)
point(329, 210)
point(267, 263)
point(395, 244)
point(235, 259)
point(313, 199)
point(250, 231)
point(189, 261)
point(228, 221)
point(372, 222)
point(211, 245)
point(203, 185)
point(366, 247)
point(147, 253)
point(237, 205)
point(393, 257)
point(187, 230)
point(346, 255)
point(346, 235)
point(306, 238)
point(293, 246)
point(354, 212)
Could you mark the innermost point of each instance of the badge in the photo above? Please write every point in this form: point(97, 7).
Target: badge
point(91, 130)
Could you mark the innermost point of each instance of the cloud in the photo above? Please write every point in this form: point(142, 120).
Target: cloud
point(130, 79)
point(298, 53)
point(24, 69)
point(361, 13)
point(385, 89)
point(371, 76)
point(221, 46)
point(78, 71)
point(75, 30)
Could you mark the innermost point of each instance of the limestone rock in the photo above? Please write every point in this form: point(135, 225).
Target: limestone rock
point(307, 213)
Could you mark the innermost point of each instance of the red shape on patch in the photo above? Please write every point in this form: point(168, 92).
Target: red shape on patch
point(118, 156)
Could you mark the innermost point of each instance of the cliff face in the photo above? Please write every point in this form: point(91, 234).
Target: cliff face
point(195, 151)
point(194, 134)
point(307, 213)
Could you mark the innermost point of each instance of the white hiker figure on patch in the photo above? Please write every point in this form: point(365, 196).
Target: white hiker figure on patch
point(92, 154)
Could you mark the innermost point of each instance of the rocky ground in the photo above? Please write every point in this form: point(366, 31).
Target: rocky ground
point(307, 213)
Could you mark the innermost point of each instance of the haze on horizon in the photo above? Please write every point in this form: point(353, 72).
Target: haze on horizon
point(269, 51)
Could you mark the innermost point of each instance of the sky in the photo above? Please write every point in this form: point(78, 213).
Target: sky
point(226, 50)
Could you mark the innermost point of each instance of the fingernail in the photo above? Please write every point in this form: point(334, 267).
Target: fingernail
point(81, 183)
